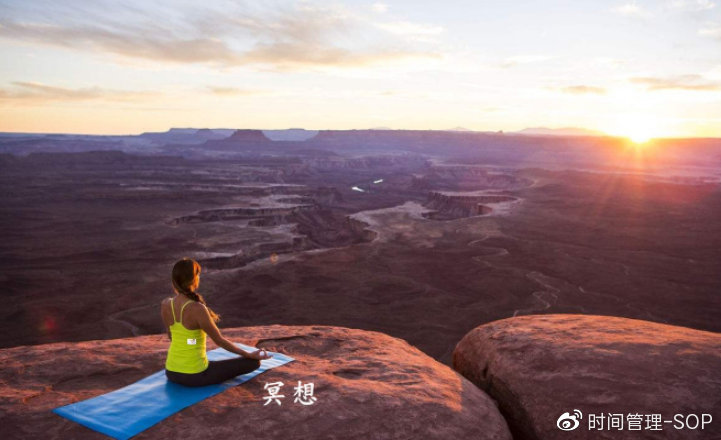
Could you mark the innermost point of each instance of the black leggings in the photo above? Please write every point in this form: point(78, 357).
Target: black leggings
point(217, 372)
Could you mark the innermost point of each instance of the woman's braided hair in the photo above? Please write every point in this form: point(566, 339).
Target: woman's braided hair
point(184, 273)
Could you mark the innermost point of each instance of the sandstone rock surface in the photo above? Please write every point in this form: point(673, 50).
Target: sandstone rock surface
point(540, 366)
point(368, 385)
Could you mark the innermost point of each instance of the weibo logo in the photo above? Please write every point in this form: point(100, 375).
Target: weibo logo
point(569, 422)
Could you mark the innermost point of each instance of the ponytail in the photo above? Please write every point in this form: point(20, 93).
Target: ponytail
point(195, 296)
point(184, 273)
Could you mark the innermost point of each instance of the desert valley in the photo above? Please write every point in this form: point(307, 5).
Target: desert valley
point(420, 235)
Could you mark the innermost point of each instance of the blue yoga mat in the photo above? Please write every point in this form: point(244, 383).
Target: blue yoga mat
point(130, 410)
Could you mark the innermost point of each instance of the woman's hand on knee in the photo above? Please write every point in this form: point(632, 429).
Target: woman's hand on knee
point(260, 355)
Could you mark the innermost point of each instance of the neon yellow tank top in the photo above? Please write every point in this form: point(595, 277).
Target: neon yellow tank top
point(187, 347)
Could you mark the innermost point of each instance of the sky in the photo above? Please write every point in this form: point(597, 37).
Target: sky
point(632, 68)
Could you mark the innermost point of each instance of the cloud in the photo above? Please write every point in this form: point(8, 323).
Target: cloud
point(631, 10)
point(583, 90)
point(232, 91)
point(693, 5)
point(379, 7)
point(712, 30)
point(285, 37)
point(290, 56)
point(127, 42)
point(608, 61)
point(31, 92)
point(523, 59)
point(410, 29)
point(679, 82)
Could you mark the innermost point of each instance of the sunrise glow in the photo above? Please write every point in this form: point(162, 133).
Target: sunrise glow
point(92, 67)
point(639, 128)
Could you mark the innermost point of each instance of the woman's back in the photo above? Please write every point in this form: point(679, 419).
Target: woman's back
point(187, 347)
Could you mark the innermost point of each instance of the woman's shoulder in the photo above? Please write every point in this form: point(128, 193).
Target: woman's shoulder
point(197, 310)
point(195, 306)
point(166, 303)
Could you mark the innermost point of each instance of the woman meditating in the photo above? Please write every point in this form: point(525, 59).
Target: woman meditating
point(188, 319)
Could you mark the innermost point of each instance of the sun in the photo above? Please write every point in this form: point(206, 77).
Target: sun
point(641, 131)
point(639, 138)
point(638, 128)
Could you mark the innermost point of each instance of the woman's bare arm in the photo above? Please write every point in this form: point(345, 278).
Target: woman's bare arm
point(208, 325)
point(162, 318)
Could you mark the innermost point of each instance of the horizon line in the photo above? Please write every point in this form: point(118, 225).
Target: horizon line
point(491, 132)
